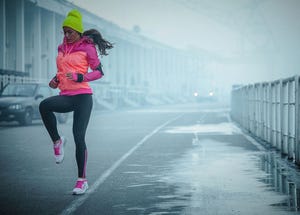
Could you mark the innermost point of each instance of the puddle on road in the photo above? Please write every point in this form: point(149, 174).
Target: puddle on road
point(216, 178)
point(205, 129)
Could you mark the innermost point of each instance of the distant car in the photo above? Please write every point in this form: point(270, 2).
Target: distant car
point(20, 102)
point(208, 96)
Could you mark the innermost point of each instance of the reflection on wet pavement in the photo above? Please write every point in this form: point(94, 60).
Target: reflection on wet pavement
point(215, 177)
point(282, 179)
point(220, 173)
point(204, 129)
point(221, 180)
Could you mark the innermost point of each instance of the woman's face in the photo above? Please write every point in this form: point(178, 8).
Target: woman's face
point(71, 35)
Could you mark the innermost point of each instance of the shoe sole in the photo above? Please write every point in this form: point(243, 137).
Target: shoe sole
point(81, 192)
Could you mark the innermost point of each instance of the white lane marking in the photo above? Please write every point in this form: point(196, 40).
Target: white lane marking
point(80, 200)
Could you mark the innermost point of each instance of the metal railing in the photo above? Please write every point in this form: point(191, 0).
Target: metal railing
point(11, 76)
point(270, 111)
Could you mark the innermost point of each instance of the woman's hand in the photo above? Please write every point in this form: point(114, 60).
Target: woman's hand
point(53, 83)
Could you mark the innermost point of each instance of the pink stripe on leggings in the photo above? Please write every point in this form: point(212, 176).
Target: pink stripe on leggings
point(85, 162)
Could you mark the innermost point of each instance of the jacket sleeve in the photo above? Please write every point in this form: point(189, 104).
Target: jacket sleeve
point(95, 65)
point(91, 76)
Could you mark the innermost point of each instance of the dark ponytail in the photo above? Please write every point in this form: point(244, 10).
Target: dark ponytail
point(97, 38)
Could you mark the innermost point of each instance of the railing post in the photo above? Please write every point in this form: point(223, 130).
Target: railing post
point(291, 118)
point(269, 112)
point(272, 121)
point(297, 120)
point(280, 115)
point(284, 116)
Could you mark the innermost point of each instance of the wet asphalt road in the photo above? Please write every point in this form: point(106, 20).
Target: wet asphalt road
point(188, 159)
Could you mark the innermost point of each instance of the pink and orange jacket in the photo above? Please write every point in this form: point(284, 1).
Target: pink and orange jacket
point(77, 58)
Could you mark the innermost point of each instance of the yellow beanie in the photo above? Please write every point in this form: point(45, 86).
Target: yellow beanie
point(74, 21)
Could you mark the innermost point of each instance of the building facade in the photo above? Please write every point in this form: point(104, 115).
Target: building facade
point(138, 70)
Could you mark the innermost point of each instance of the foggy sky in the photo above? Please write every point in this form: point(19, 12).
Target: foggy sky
point(251, 40)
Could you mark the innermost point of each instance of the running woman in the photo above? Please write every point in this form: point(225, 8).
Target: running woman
point(76, 55)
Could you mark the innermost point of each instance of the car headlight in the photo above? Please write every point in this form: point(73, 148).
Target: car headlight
point(15, 107)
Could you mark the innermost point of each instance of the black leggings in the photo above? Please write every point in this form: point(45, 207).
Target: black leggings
point(81, 105)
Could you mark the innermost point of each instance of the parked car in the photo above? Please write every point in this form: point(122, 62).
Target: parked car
point(20, 102)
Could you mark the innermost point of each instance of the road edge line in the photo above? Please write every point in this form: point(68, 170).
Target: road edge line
point(80, 200)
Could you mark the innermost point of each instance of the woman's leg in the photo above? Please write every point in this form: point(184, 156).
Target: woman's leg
point(61, 104)
point(81, 118)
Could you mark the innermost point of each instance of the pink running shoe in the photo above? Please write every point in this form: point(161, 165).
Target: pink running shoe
point(59, 150)
point(80, 187)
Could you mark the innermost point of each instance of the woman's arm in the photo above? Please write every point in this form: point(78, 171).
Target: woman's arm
point(90, 76)
point(94, 63)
